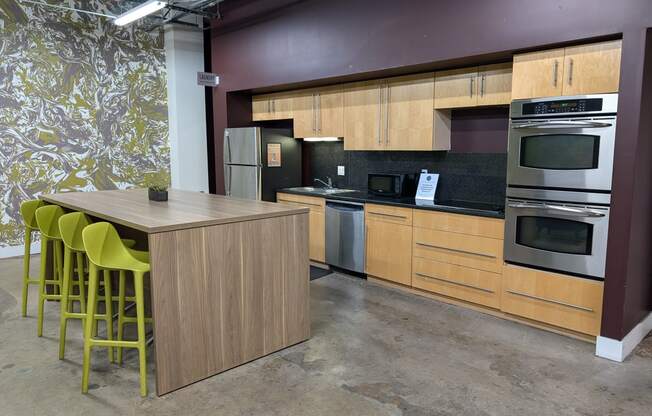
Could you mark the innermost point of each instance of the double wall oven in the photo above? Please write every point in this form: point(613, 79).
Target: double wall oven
point(560, 164)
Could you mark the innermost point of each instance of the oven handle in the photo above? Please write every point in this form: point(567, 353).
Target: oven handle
point(580, 212)
point(561, 125)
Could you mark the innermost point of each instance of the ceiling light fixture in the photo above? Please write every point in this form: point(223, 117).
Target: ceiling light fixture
point(321, 139)
point(139, 12)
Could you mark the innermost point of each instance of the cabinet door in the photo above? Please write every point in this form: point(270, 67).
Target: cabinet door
point(281, 106)
point(330, 112)
point(362, 116)
point(592, 69)
point(389, 251)
point(456, 88)
point(538, 74)
point(261, 108)
point(495, 84)
point(317, 230)
point(409, 113)
point(303, 110)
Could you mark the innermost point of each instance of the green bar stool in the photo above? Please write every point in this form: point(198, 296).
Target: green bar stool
point(106, 251)
point(71, 226)
point(47, 219)
point(28, 212)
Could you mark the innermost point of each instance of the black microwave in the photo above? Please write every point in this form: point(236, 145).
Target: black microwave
point(392, 184)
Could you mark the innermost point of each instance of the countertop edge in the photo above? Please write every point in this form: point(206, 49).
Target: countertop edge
point(439, 208)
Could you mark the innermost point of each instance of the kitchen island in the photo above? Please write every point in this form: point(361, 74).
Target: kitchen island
point(229, 277)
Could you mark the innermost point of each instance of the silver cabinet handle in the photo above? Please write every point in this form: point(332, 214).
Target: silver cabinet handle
point(454, 282)
point(287, 201)
point(572, 124)
point(579, 212)
point(570, 71)
point(319, 112)
point(389, 97)
point(269, 106)
point(314, 113)
point(555, 70)
point(387, 215)
point(471, 87)
point(482, 81)
point(490, 256)
point(380, 109)
point(556, 302)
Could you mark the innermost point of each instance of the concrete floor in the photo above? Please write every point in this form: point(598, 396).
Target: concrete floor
point(373, 351)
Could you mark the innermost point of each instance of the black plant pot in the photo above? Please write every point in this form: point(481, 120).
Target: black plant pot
point(155, 195)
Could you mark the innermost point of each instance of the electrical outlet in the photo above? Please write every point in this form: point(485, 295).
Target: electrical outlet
point(340, 171)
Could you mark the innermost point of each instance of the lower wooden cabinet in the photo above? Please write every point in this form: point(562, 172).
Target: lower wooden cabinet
point(560, 300)
point(317, 218)
point(389, 243)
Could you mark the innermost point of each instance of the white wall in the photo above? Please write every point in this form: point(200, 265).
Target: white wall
point(184, 51)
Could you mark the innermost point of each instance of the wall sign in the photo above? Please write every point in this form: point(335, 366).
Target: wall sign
point(274, 155)
point(208, 79)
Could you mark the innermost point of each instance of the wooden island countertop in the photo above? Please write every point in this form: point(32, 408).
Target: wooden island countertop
point(183, 209)
point(229, 277)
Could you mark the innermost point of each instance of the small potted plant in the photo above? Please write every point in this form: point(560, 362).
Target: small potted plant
point(157, 188)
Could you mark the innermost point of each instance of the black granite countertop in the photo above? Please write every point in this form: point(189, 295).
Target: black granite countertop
point(457, 207)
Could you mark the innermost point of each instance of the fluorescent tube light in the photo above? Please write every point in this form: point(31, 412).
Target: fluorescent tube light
point(139, 12)
point(321, 139)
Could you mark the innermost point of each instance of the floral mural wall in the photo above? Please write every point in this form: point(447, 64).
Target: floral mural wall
point(83, 105)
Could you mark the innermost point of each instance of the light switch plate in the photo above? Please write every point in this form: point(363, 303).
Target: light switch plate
point(340, 171)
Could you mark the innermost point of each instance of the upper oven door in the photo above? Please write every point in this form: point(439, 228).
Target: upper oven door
point(568, 238)
point(562, 153)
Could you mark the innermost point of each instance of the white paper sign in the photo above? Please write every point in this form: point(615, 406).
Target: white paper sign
point(427, 187)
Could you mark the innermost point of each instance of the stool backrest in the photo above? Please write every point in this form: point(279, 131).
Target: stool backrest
point(105, 249)
point(71, 227)
point(28, 212)
point(47, 218)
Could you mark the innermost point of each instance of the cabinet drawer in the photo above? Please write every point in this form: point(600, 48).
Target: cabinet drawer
point(388, 214)
point(314, 203)
point(458, 223)
point(470, 285)
point(460, 249)
point(564, 301)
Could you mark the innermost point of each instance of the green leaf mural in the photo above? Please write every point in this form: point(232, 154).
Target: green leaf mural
point(83, 105)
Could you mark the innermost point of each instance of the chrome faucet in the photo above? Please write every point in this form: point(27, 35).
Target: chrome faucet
point(328, 184)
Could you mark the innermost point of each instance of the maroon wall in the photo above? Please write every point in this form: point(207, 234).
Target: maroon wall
point(291, 43)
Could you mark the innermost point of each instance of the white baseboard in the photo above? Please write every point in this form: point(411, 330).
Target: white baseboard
point(15, 251)
point(615, 350)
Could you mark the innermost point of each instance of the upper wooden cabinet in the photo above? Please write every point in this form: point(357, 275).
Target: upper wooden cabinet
point(476, 86)
point(319, 113)
point(394, 114)
point(272, 106)
point(576, 70)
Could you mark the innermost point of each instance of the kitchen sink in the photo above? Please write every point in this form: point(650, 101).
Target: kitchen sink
point(322, 191)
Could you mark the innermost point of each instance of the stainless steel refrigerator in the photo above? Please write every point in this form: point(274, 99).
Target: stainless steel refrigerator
point(259, 161)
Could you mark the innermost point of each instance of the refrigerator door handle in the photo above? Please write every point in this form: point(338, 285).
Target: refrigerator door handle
point(259, 183)
point(227, 180)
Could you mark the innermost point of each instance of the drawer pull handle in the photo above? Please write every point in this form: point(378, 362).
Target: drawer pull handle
point(388, 215)
point(455, 283)
point(556, 302)
point(490, 256)
point(298, 203)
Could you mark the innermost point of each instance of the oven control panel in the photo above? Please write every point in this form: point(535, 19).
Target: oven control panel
point(562, 106)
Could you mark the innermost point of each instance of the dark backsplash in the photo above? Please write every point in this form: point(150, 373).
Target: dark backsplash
point(474, 170)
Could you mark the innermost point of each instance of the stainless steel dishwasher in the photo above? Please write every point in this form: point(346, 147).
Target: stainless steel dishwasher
point(345, 235)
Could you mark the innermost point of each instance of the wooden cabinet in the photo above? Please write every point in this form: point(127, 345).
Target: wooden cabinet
point(476, 86)
point(317, 229)
point(272, 106)
point(576, 70)
point(389, 243)
point(560, 300)
point(362, 116)
point(394, 114)
point(591, 69)
point(318, 113)
point(458, 256)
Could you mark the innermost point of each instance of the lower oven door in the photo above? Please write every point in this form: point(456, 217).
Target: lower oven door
point(564, 237)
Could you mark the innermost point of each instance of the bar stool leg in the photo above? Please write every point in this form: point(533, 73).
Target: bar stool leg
point(41, 285)
point(108, 306)
point(65, 291)
point(121, 311)
point(81, 277)
point(142, 342)
point(26, 258)
point(58, 267)
point(88, 324)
